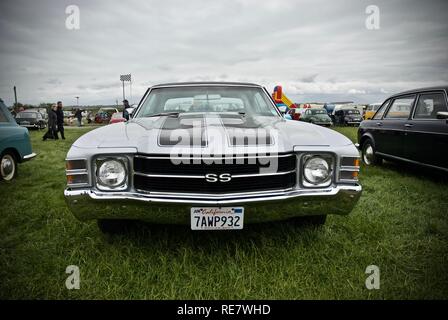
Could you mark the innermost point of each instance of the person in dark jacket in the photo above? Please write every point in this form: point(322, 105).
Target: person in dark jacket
point(78, 115)
point(52, 124)
point(60, 120)
point(125, 112)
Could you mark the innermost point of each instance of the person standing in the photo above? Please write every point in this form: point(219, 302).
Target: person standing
point(52, 124)
point(125, 112)
point(60, 120)
point(78, 115)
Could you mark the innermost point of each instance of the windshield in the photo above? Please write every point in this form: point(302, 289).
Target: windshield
point(352, 112)
point(318, 111)
point(27, 115)
point(244, 100)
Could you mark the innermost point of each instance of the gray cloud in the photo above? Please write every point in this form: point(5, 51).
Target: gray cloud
point(310, 78)
point(315, 49)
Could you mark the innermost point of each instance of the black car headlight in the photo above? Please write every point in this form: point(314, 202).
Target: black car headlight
point(317, 170)
point(111, 173)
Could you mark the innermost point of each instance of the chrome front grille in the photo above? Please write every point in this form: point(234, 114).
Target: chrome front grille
point(158, 173)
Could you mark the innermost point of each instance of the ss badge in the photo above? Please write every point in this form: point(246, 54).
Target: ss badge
point(224, 177)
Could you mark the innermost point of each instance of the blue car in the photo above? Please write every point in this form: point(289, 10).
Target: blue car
point(15, 145)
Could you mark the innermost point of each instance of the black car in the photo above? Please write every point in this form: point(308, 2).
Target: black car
point(410, 126)
point(347, 117)
point(31, 119)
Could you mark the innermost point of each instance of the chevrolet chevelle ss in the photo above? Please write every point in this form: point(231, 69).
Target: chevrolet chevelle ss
point(214, 156)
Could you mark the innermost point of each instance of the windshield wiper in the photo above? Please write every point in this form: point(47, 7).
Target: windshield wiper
point(161, 114)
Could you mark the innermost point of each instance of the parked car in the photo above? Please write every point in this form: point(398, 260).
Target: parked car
point(370, 110)
point(31, 119)
point(15, 145)
point(316, 116)
point(347, 117)
point(102, 117)
point(105, 114)
point(294, 113)
point(410, 126)
point(210, 167)
point(117, 117)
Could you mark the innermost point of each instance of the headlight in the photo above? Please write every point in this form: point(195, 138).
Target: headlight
point(317, 171)
point(111, 174)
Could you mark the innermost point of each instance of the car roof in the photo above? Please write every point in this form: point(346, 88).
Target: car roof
point(206, 83)
point(421, 90)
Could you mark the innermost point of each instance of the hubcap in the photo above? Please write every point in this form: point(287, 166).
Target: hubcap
point(7, 167)
point(368, 154)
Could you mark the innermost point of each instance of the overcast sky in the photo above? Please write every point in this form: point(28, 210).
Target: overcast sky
point(318, 50)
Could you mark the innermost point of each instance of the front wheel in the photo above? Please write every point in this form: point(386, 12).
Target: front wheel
point(8, 167)
point(369, 156)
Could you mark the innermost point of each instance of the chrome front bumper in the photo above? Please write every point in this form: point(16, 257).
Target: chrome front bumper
point(89, 204)
point(29, 156)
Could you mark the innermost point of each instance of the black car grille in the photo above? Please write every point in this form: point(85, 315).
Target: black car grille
point(249, 173)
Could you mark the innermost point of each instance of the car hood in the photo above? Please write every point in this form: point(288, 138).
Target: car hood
point(212, 134)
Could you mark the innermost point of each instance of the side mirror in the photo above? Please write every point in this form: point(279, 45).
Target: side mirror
point(287, 116)
point(442, 115)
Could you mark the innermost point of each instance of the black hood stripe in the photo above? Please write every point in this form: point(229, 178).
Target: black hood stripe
point(191, 130)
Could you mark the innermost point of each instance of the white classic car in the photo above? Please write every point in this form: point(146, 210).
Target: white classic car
point(214, 156)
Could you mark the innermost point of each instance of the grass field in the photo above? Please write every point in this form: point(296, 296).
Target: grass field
point(400, 225)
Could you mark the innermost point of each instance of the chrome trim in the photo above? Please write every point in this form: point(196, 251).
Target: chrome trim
point(214, 195)
point(348, 180)
point(76, 172)
point(342, 168)
point(29, 156)
point(90, 204)
point(333, 166)
point(198, 157)
point(206, 84)
point(412, 161)
point(217, 201)
point(103, 158)
point(349, 168)
point(203, 176)
point(243, 85)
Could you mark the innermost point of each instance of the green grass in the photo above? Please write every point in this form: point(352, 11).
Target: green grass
point(400, 225)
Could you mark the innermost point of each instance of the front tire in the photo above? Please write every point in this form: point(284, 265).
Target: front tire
point(8, 166)
point(369, 156)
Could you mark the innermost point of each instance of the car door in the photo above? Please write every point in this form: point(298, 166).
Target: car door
point(391, 129)
point(426, 136)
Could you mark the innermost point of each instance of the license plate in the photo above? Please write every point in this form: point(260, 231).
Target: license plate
point(230, 218)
